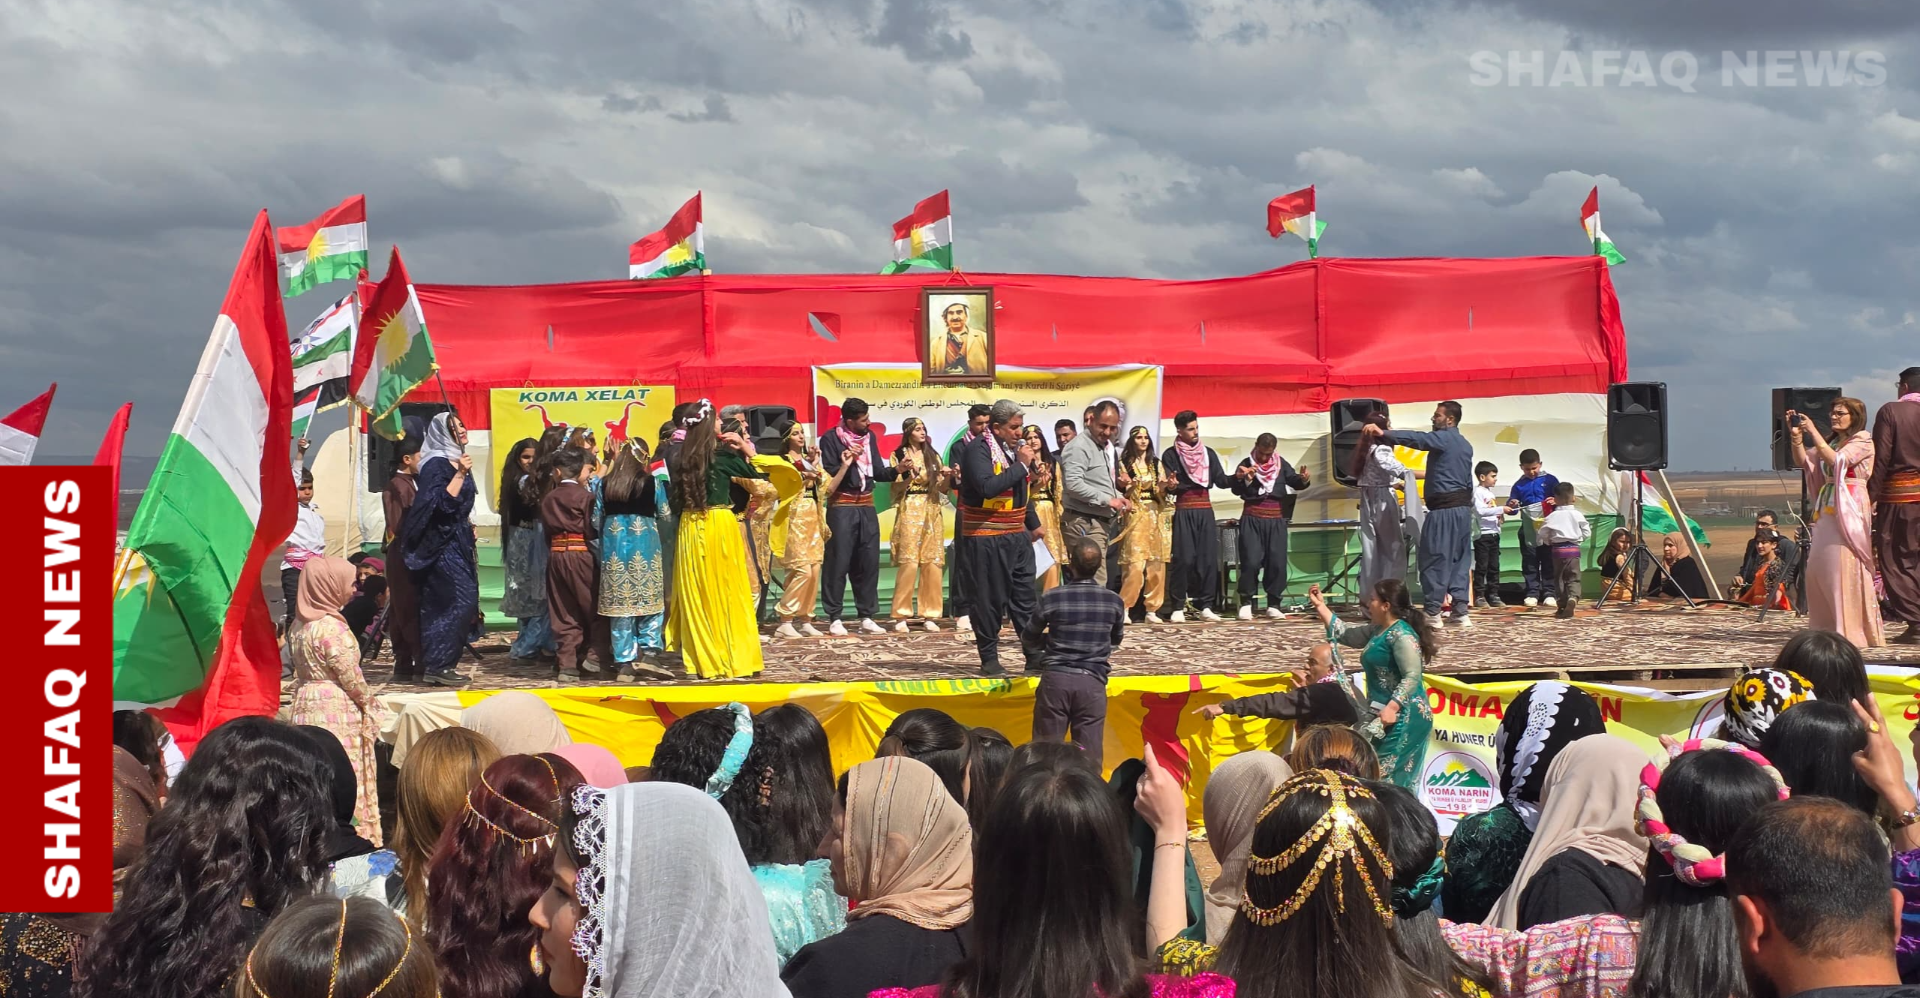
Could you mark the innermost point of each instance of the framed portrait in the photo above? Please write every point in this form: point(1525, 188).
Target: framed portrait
point(956, 336)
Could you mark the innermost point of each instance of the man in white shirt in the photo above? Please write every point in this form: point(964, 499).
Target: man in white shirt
point(1565, 531)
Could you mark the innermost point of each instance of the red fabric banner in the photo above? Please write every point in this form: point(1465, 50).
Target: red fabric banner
point(1286, 340)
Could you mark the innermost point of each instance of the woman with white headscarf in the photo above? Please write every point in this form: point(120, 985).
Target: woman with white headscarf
point(652, 898)
point(437, 542)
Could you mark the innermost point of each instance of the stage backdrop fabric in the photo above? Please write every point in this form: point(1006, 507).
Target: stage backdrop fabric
point(1458, 778)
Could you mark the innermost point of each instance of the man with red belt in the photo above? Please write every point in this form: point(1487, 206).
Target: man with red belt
point(853, 543)
point(999, 527)
point(1195, 567)
point(1264, 482)
point(572, 611)
point(1895, 488)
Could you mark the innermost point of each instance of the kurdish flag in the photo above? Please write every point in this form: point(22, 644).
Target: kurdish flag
point(680, 248)
point(20, 429)
point(1294, 213)
point(190, 621)
point(925, 238)
point(332, 247)
point(1590, 221)
point(1657, 516)
point(395, 355)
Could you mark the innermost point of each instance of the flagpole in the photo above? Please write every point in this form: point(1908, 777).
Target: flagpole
point(352, 511)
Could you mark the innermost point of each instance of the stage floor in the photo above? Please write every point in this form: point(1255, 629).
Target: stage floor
point(1666, 647)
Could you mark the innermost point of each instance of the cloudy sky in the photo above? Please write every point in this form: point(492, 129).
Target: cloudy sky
point(514, 143)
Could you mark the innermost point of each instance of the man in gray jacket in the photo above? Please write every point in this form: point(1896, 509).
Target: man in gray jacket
point(1093, 501)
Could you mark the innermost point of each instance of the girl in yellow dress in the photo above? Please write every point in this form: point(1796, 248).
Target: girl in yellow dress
point(919, 528)
point(710, 621)
point(1146, 531)
point(1044, 494)
point(806, 533)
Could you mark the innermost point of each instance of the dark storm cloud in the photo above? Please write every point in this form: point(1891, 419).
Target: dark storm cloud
point(922, 29)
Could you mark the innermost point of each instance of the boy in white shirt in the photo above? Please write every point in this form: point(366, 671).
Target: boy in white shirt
point(308, 540)
point(1486, 544)
point(1565, 531)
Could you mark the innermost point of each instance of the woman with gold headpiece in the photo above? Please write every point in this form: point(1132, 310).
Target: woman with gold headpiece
point(366, 949)
point(1315, 916)
point(1146, 531)
point(1044, 495)
point(919, 528)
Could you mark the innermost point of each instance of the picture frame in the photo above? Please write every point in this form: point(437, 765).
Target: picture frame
point(957, 349)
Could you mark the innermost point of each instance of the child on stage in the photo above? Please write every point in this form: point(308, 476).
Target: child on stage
point(1486, 546)
point(633, 586)
point(567, 512)
point(1565, 532)
point(1527, 499)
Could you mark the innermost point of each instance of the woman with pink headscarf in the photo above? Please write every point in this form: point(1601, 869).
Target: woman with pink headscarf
point(329, 690)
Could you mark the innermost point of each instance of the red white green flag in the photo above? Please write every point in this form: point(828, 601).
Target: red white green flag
point(680, 248)
point(190, 621)
point(924, 239)
point(1295, 213)
point(20, 429)
point(332, 247)
point(1590, 221)
point(393, 354)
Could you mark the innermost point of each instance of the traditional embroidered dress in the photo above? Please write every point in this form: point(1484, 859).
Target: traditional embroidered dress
point(1839, 568)
point(711, 619)
point(633, 578)
point(330, 692)
point(1046, 506)
point(1395, 671)
point(806, 549)
point(918, 545)
point(1146, 537)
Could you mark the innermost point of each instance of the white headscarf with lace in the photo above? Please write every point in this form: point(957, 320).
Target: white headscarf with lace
point(672, 910)
point(439, 441)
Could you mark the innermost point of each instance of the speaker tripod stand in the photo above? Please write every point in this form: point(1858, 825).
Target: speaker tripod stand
point(1638, 554)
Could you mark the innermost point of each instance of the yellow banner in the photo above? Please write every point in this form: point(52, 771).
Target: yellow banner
point(612, 412)
point(1458, 778)
point(893, 393)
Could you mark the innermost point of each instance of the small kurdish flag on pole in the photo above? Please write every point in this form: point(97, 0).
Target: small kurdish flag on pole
point(680, 248)
point(1294, 213)
point(20, 429)
point(394, 355)
point(923, 239)
point(1590, 221)
point(332, 247)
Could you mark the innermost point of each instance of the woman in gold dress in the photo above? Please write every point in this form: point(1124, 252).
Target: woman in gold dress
point(919, 530)
point(1044, 495)
point(1146, 531)
point(806, 533)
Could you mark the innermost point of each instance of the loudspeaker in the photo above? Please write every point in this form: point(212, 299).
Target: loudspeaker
point(383, 455)
point(1814, 403)
point(763, 423)
point(1348, 415)
point(1637, 426)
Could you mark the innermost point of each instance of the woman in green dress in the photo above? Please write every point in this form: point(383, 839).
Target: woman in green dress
point(1398, 643)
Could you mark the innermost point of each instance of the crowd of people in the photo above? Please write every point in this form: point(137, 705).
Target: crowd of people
point(1780, 857)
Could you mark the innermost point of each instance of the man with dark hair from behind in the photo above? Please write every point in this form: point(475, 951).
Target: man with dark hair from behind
point(1814, 904)
point(1894, 486)
point(1079, 625)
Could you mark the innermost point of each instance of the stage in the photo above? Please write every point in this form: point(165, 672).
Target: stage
point(1660, 646)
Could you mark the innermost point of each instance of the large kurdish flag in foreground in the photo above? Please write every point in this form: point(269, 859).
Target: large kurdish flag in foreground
point(393, 354)
point(190, 621)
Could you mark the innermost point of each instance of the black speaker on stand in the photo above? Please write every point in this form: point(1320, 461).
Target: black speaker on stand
point(1347, 417)
point(383, 455)
point(1637, 442)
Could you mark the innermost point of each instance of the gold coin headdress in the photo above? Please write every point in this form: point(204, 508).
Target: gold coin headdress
point(1342, 838)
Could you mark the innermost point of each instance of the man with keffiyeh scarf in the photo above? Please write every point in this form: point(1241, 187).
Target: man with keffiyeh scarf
point(1195, 568)
point(1265, 482)
point(853, 546)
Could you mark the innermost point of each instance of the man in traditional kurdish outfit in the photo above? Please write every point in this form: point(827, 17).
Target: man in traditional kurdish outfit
point(1895, 488)
point(853, 528)
point(1000, 528)
point(957, 596)
point(1446, 539)
point(1264, 482)
point(403, 601)
point(567, 512)
point(966, 347)
point(1195, 571)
